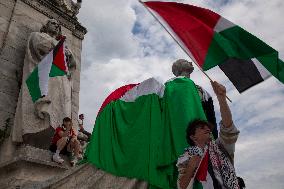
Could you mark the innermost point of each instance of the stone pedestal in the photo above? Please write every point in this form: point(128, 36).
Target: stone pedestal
point(33, 168)
point(29, 165)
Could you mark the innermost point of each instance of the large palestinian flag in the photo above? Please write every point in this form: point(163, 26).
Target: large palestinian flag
point(52, 65)
point(212, 40)
point(140, 130)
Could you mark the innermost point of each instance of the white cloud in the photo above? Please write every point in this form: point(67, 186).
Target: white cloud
point(109, 25)
point(114, 56)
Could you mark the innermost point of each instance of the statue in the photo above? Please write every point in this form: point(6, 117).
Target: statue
point(183, 68)
point(49, 110)
point(69, 6)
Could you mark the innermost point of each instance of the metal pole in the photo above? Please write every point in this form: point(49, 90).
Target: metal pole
point(181, 46)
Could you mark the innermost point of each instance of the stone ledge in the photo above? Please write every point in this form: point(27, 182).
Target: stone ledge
point(46, 161)
point(87, 176)
point(50, 10)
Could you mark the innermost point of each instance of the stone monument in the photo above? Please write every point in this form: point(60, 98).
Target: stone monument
point(28, 30)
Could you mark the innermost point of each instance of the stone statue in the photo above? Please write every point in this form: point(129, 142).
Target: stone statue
point(183, 68)
point(48, 111)
point(69, 6)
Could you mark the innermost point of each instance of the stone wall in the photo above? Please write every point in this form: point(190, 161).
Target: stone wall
point(18, 18)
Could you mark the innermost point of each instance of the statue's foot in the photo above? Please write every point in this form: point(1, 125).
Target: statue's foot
point(43, 100)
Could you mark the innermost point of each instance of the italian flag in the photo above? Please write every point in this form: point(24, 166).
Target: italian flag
point(140, 130)
point(212, 40)
point(52, 65)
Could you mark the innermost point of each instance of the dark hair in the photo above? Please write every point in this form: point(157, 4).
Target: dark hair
point(191, 128)
point(241, 182)
point(67, 119)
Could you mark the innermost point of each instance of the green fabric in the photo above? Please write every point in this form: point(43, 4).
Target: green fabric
point(143, 139)
point(197, 185)
point(55, 71)
point(33, 85)
point(235, 42)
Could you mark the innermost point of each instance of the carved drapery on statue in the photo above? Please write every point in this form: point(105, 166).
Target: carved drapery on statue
point(69, 6)
point(50, 110)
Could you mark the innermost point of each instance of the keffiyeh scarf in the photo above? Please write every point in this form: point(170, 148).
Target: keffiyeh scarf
point(222, 166)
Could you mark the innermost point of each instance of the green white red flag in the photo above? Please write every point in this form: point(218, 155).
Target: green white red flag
point(52, 65)
point(212, 40)
point(140, 130)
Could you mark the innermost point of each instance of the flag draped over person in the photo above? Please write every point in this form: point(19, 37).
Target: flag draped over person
point(140, 130)
point(52, 65)
point(212, 40)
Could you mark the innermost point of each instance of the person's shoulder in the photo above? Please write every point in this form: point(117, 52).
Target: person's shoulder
point(183, 158)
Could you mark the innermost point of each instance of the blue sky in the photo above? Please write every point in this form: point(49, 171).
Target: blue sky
point(125, 44)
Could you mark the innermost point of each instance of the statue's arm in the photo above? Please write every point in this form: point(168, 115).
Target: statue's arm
point(40, 45)
point(71, 59)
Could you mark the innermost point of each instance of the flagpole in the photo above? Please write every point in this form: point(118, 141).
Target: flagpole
point(181, 46)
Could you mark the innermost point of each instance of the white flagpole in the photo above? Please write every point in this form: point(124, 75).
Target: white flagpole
point(181, 46)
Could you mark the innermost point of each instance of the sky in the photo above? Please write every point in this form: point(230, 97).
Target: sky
point(125, 44)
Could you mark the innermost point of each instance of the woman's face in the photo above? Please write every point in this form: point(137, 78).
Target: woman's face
point(202, 134)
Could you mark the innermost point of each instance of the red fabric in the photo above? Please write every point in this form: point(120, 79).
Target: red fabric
point(193, 25)
point(59, 56)
point(56, 136)
point(117, 94)
point(203, 168)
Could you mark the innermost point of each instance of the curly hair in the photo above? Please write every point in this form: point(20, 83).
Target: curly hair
point(191, 128)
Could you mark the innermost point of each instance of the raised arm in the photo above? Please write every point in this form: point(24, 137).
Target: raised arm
point(228, 134)
point(225, 111)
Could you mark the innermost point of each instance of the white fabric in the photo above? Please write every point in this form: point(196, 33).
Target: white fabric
point(208, 184)
point(223, 24)
point(149, 86)
point(44, 68)
point(262, 70)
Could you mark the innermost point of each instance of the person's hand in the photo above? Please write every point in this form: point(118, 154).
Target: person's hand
point(194, 162)
point(188, 171)
point(219, 89)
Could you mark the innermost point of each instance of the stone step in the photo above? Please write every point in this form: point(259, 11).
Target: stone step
point(87, 176)
point(32, 168)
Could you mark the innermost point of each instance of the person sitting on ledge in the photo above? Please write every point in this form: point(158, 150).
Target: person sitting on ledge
point(65, 142)
point(84, 135)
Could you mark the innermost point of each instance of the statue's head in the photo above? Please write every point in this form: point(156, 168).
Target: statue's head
point(52, 27)
point(182, 67)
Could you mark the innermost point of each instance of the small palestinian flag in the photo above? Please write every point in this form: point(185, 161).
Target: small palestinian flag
point(52, 65)
point(212, 40)
point(140, 130)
